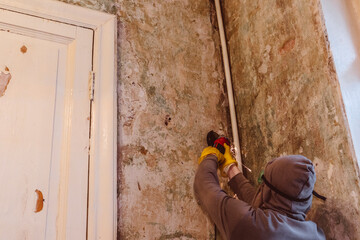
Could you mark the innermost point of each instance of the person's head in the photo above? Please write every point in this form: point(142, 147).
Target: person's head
point(287, 187)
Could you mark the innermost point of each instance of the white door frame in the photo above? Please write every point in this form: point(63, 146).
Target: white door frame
point(102, 213)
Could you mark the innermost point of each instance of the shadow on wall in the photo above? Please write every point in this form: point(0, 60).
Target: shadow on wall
point(333, 222)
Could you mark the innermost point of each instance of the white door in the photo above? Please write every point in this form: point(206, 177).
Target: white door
point(44, 127)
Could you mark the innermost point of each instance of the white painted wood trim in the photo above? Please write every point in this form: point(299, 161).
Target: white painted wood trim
point(102, 203)
point(58, 11)
point(102, 216)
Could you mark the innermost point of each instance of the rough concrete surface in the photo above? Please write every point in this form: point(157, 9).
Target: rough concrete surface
point(288, 101)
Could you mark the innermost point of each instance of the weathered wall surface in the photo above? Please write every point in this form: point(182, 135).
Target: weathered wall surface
point(289, 102)
point(170, 95)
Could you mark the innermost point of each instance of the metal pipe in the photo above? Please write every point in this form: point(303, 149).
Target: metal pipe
point(228, 84)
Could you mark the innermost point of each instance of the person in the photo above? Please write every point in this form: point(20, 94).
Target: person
point(277, 210)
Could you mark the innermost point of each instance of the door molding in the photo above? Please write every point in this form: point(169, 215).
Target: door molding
point(102, 205)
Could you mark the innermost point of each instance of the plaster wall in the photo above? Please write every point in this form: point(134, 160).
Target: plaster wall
point(288, 101)
point(170, 94)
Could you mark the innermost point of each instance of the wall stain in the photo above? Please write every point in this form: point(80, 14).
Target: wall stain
point(333, 222)
point(143, 150)
point(178, 234)
point(287, 46)
point(167, 120)
point(283, 4)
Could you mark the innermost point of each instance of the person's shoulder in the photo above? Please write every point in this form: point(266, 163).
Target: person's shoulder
point(274, 222)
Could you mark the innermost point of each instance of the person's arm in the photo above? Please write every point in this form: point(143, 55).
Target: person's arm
point(208, 191)
point(225, 211)
point(240, 185)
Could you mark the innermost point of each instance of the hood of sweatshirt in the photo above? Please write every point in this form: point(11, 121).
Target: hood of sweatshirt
point(293, 176)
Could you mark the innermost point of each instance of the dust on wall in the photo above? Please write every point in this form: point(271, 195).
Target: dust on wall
point(288, 101)
point(170, 94)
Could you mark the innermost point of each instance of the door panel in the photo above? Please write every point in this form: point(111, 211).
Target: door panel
point(44, 128)
point(26, 117)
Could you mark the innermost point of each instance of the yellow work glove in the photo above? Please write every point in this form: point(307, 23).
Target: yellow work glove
point(229, 160)
point(211, 150)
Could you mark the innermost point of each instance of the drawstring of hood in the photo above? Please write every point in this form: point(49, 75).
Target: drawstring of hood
point(289, 197)
point(319, 196)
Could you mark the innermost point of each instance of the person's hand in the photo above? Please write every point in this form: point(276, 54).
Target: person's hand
point(228, 161)
point(214, 151)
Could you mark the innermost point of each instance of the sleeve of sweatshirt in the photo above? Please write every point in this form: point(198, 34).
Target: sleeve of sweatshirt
point(242, 188)
point(206, 186)
point(222, 209)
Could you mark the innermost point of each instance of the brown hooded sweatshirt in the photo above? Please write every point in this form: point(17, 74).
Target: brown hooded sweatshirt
point(264, 214)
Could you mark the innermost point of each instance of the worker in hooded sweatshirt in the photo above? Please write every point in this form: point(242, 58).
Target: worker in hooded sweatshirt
point(277, 210)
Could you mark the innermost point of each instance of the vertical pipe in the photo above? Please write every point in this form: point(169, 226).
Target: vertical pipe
point(228, 84)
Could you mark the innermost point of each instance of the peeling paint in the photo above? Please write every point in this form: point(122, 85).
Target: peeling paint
point(39, 201)
point(4, 82)
point(23, 49)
